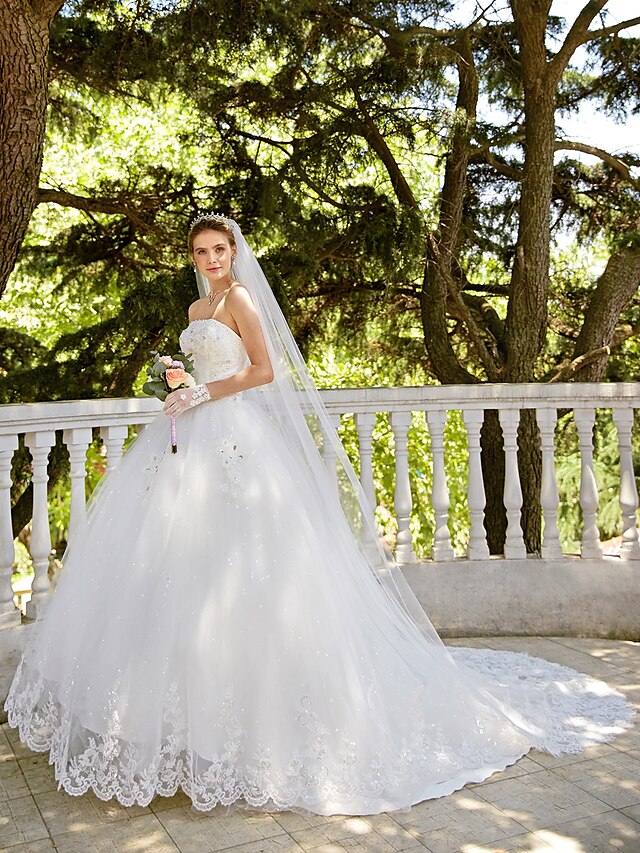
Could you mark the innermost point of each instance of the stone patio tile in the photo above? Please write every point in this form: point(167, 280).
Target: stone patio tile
point(38, 772)
point(540, 800)
point(526, 843)
point(522, 767)
point(20, 821)
point(294, 821)
point(217, 829)
point(450, 823)
point(279, 844)
point(603, 833)
point(43, 845)
point(163, 804)
point(20, 750)
point(535, 646)
point(389, 828)
point(622, 653)
point(466, 642)
point(6, 752)
point(144, 834)
point(63, 813)
point(629, 740)
point(627, 682)
point(550, 762)
point(378, 833)
point(613, 778)
point(12, 782)
point(632, 812)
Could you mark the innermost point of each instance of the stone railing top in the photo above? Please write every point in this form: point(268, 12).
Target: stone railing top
point(486, 395)
point(75, 414)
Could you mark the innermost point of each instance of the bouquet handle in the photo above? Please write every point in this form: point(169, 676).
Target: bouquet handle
point(174, 440)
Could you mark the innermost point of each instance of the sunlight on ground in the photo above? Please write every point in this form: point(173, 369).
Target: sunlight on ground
point(550, 842)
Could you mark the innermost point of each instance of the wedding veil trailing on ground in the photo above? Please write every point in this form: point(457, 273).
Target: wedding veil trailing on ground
point(295, 407)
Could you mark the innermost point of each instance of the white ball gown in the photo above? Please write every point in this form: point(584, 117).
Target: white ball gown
point(207, 635)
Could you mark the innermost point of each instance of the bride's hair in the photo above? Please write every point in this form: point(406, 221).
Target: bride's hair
point(210, 222)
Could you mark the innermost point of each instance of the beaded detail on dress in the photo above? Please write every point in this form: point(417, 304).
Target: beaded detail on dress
point(216, 349)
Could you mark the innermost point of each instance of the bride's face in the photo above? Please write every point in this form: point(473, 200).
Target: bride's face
point(213, 255)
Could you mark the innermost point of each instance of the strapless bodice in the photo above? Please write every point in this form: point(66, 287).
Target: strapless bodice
point(217, 350)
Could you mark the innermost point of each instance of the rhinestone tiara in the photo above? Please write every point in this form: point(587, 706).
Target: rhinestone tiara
point(210, 215)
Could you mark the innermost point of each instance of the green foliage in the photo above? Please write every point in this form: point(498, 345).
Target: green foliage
point(299, 119)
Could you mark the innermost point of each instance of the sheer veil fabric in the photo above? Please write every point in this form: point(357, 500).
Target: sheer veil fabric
point(227, 623)
point(296, 409)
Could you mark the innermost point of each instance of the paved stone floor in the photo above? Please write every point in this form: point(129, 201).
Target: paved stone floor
point(574, 804)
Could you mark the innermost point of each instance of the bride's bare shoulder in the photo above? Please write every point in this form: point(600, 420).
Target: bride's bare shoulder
point(237, 293)
point(198, 309)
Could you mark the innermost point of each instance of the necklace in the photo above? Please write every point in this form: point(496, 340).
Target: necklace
point(212, 296)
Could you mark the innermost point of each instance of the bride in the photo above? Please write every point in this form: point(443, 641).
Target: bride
point(228, 624)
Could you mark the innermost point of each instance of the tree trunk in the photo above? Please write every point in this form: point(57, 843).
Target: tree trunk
point(24, 43)
point(441, 248)
point(492, 458)
point(526, 323)
point(616, 287)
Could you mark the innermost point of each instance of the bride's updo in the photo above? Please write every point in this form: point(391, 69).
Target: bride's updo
point(210, 222)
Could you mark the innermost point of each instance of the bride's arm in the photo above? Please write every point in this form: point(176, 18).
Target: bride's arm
point(240, 308)
point(259, 372)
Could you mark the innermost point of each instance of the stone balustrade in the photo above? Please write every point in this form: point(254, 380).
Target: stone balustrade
point(77, 420)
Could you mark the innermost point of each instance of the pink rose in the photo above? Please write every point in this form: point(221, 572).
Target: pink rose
point(175, 376)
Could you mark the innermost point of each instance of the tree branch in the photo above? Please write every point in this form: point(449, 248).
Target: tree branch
point(568, 371)
point(497, 163)
point(616, 287)
point(576, 36)
point(378, 143)
point(613, 29)
point(619, 165)
point(276, 143)
point(91, 205)
point(494, 373)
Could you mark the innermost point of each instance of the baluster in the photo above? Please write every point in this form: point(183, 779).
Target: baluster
point(9, 614)
point(549, 498)
point(114, 437)
point(77, 441)
point(477, 548)
point(365, 422)
point(514, 547)
point(591, 547)
point(630, 550)
point(441, 549)
point(39, 444)
point(329, 454)
point(400, 423)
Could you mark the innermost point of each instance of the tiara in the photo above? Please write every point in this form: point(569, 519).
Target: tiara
point(210, 215)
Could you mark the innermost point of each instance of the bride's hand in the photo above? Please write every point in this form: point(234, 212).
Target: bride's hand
point(182, 399)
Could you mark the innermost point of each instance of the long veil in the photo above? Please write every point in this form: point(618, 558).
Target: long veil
point(295, 408)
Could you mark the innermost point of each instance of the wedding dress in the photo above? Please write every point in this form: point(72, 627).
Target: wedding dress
point(214, 631)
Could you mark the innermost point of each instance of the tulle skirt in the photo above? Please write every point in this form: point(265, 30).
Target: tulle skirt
point(211, 631)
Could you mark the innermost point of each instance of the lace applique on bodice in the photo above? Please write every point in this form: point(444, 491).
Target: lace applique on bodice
point(216, 349)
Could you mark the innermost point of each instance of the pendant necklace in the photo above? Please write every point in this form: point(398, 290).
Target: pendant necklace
point(212, 296)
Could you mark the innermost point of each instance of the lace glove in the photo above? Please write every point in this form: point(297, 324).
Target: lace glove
point(179, 401)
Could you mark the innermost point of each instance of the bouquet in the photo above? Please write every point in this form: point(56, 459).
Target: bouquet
point(169, 373)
